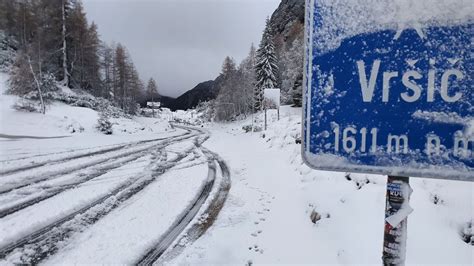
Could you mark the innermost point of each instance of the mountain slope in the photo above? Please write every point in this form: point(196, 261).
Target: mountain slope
point(204, 91)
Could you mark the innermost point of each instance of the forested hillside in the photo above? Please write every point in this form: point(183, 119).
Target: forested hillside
point(46, 43)
point(50, 43)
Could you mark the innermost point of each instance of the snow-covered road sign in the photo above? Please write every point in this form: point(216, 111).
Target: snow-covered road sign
point(271, 98)
point(388, 87)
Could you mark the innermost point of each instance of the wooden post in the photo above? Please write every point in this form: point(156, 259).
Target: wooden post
point(396, 211)
point(265, 118)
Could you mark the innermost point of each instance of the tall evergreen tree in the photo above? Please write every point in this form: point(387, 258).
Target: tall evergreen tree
point(108, 71)
point(225, 108)
point(266, 67)
point(228, 67)
point(247, 80)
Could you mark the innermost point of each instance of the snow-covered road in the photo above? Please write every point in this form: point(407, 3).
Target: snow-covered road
point(115, 203)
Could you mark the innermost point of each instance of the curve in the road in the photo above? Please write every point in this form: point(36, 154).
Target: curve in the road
point(187, 217)
point(44, 242)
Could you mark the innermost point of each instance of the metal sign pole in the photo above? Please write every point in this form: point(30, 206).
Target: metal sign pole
point(397, 209)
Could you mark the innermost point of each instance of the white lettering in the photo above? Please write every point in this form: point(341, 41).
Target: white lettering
point(445, 83)
point(397, 140)
point(349, 139)
point(368, 87)
point(412, 86)
point(387, 76)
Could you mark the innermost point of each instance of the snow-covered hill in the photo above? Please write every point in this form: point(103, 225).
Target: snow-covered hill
point(65, 120)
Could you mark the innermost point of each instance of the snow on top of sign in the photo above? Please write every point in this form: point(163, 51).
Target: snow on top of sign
point(340, 19)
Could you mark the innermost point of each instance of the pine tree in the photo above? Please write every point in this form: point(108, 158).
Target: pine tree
point(92, 61)
point(266, 68)
point(247, 81)
point(120, 75)
point(228, 67)
point(225, 108)
point(292, 73)
point(108, 71)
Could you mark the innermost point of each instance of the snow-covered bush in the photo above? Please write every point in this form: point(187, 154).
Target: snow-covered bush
point(206, 110)
point(84, 99)
point(104, 125)
point(467, 233)
point(25, 105)
point(75, 127)
point(248, 128)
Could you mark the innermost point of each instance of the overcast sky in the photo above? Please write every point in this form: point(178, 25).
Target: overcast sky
point(181, 42)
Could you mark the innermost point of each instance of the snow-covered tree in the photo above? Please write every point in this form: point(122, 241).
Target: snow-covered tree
point(248, 81)
point(225, 106)
point(292, 73)
point(266, 67)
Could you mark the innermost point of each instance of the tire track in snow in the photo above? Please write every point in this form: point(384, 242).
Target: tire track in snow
point(187, 217)
point(44, 242)
point(35, 179)
point(53, 191)
point(9, 171)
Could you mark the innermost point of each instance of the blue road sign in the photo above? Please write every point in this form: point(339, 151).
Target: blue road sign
point(388, 87)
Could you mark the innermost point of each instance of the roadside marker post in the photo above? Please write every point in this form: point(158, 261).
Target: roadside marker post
point(390, 93)
point(271, 100)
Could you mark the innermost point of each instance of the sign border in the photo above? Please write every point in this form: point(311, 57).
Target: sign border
point(433, 173)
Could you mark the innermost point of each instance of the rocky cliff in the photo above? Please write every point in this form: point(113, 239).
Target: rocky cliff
point(288, 30)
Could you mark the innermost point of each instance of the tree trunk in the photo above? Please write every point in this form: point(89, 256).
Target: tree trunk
point(65, 80)
point(38, 86)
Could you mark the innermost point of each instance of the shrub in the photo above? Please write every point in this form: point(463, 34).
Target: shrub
point(25, 105)
point(104, 125)
point(248, 128)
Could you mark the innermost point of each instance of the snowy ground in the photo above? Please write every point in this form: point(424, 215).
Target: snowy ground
point(122, 193)
point(79, 196)
point(266, 219)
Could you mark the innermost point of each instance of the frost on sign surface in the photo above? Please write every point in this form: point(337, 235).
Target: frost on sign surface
point(389, 87)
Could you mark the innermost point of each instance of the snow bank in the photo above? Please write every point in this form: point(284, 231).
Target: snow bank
point(65, 120)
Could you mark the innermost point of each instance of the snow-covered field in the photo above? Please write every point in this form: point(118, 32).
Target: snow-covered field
point(266, 219)
point(79, 196)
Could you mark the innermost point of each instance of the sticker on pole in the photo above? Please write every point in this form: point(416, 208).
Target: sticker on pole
point(389, 87)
